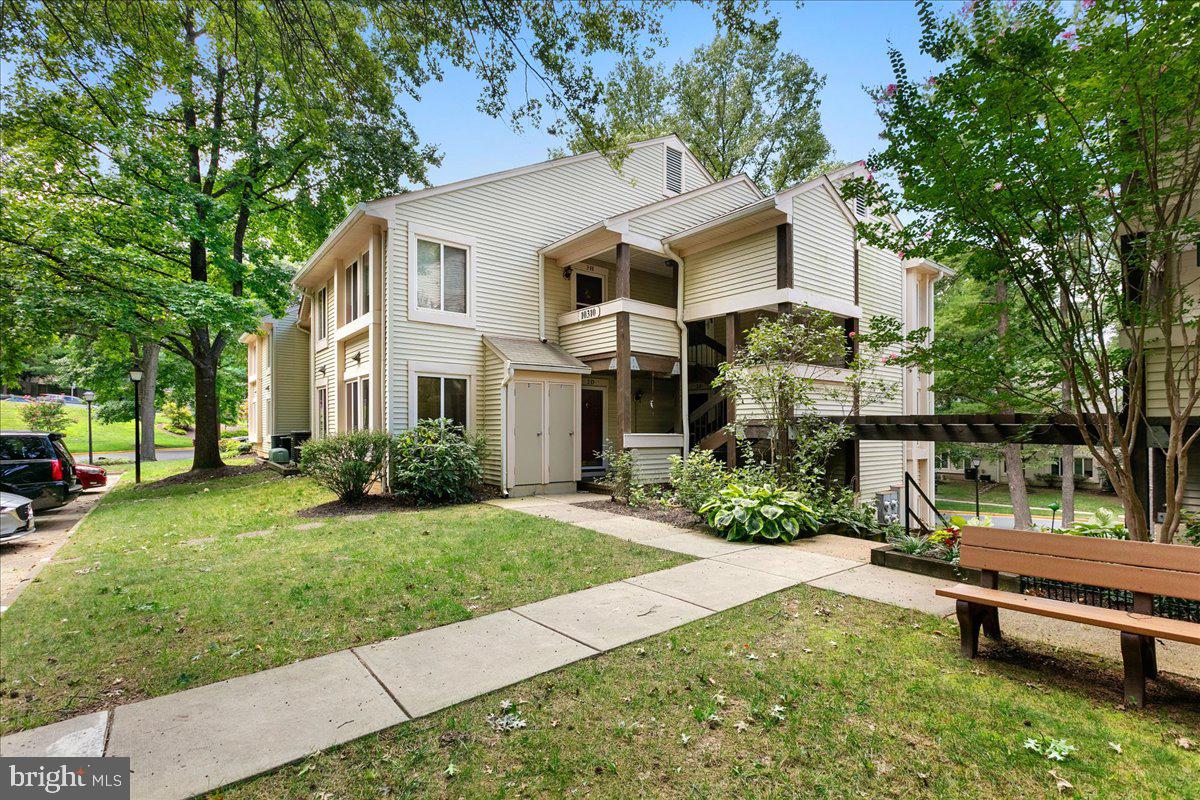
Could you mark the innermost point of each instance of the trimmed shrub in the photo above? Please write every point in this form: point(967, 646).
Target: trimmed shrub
point(179, 416)
point(46, 416)
point(346, 464)
point(697, 478)
point(436, 462)
point(763, 513)
point(619, 474)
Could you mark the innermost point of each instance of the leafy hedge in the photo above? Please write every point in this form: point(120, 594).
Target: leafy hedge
point(346, 464)
point(436, 462)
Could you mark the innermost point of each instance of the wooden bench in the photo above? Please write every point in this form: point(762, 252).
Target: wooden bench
point(1144, 568)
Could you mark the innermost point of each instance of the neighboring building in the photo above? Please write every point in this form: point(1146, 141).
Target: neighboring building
point(555, 306)
point(1087, 472)
point(277, 379)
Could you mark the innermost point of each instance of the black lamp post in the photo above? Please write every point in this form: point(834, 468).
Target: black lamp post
point(88, 397)
point(135, 375)
point(976, 462)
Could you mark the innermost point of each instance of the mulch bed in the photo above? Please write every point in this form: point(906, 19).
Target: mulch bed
point(673, 515)
point(204, 475)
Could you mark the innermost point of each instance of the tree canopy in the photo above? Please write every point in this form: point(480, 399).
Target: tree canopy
point(740, 103)
point(1060, 146)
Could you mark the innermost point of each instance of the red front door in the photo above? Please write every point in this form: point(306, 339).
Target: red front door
point(591, 415)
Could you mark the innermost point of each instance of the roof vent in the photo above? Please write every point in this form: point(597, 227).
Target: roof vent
point(674, 180)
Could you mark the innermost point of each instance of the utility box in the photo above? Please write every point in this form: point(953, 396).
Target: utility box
point(280, 455)
point(887, 506)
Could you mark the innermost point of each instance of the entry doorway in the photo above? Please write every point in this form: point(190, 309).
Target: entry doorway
point(591, 422)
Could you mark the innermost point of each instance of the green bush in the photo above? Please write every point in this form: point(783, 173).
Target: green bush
point(1189, 529)
point(760, 513)
point(346, 464)
point(619, 470)
point(47, 416)
point(179, 416)
point(1105, 525)
point(839, 513)
point(697, 478)
point(436, 462)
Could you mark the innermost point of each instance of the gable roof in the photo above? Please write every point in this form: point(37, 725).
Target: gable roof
point(534, 354)
point(432, 191)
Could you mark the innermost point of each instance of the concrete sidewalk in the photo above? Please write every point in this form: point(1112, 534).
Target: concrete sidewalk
point(194, 741)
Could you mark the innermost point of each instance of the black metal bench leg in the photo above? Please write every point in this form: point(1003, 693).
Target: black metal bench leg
point(1133, 654)
point(970, 618)
point(991, 623)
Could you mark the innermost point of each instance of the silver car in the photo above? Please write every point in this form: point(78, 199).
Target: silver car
point(16, 516)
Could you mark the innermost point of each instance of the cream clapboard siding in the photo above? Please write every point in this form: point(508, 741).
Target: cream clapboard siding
point(650, 287)
point(744, 265)
point(590, 337)
point(691, 211)
point(289, 374)
point(693, 177)
point(653, 464)
point(881, 292)
point(823, 246)
point(326, 358)
point(263, 354)
point(490, 418)
point(1156, 378)
point(510, 219)
point(653, 335)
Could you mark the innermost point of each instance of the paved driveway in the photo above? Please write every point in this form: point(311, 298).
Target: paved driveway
point(163, 454)
point(23, 559)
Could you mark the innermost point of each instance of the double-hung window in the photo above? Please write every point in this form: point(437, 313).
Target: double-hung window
point(441, 275)
point(358, 287)
point(442, 396)
point(322, 412)
point(358, 404)
point(320, 311)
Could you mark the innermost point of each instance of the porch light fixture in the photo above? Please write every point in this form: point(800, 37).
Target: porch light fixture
point(358, 358)
point(567, 273)
point(321, 370)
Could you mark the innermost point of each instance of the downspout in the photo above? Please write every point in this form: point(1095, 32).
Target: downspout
point(508, 376)
point(683, 344)
point(541, 297)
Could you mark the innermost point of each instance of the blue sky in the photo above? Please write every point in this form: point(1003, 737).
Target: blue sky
point(846, 40)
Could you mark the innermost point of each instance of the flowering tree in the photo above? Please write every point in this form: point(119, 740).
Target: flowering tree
point(1061, 147)
point(796, 374)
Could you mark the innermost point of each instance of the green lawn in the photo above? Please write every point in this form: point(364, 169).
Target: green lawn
point(139, 603)
point(817, 695)
point(960, 495)
point(113, 436)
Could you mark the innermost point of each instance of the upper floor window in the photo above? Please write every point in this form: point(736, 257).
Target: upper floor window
point(358, 288)
point(320, 311)
point(441, 276)
point(674, 171)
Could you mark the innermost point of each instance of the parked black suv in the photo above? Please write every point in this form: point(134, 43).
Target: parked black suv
point(38, 466)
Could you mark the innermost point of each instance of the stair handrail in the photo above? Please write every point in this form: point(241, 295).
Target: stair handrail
point(909, 514)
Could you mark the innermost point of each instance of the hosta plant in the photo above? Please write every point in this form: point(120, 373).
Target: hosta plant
point(763, 513)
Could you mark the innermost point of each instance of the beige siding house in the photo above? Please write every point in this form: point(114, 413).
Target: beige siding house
point(278, 391)
point(561, 305)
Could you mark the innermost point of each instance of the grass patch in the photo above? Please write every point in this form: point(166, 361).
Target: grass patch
point(156, 592)
point(843, 699)
point(962, 497)
point(109, 437)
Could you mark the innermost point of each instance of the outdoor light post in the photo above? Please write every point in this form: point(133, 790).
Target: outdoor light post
point(976, 461)
point(88, 397)
point(135, 375)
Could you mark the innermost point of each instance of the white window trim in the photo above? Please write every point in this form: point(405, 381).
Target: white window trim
point(322, 321)
point(429, 369)
point(417, 314)
point(594, 271)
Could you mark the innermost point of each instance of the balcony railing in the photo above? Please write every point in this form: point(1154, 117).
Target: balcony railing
point(592, 331)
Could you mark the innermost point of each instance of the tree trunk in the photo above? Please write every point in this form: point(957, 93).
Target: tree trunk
point(1018, 494)
point(146, 389)
point(208, 423)
point(1068, 484)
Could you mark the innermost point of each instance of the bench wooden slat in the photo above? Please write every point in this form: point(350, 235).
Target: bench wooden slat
point(1094, 573)
point(1141, 624)
point(1177, 557)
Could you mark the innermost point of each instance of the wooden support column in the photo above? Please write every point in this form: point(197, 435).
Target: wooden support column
point(784, 261)
point(624, 380)
point(621, 287)
point(730, 403)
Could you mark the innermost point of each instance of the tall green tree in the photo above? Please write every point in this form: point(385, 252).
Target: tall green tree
point(739, 102)
point(166, 156)
point(1064, 142)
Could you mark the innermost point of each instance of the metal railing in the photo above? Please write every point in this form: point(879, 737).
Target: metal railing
point(910, 514)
